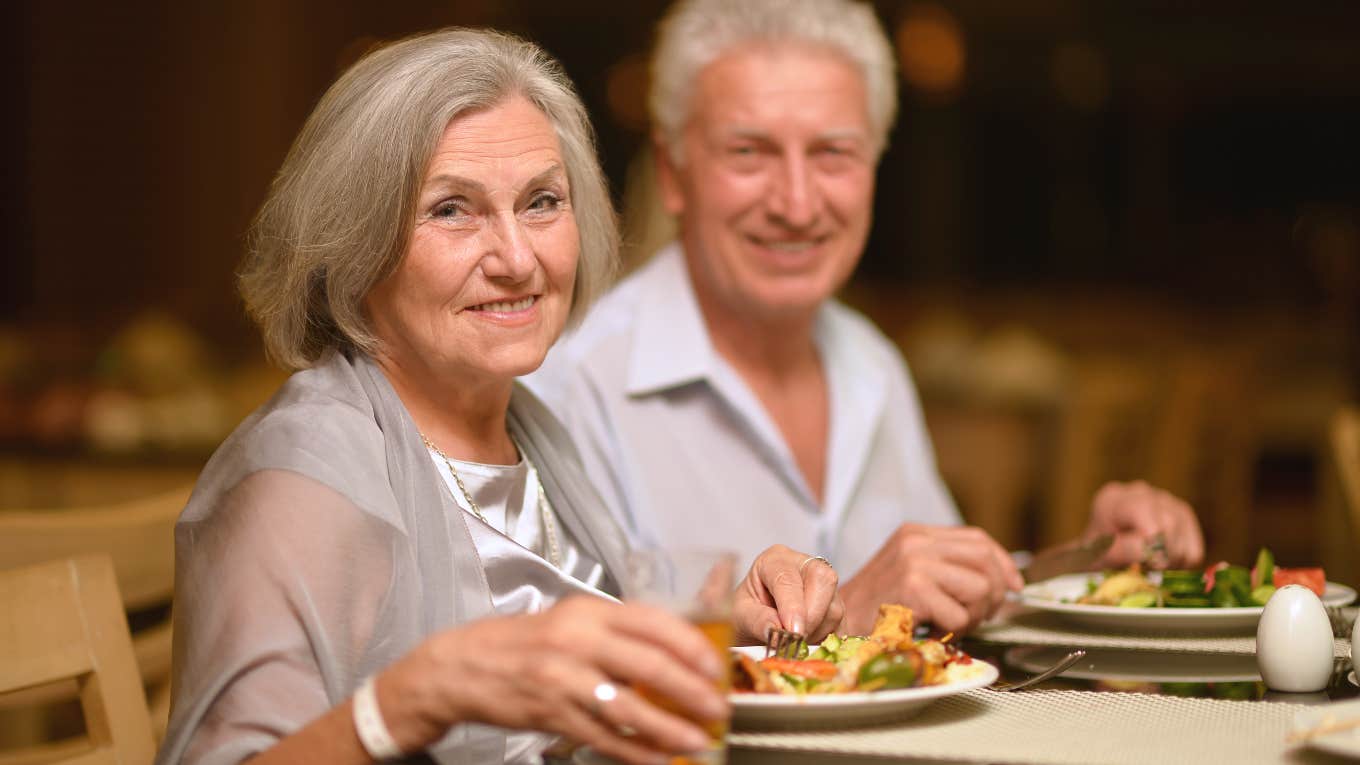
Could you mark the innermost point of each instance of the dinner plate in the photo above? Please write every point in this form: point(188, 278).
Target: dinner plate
point(766, 711)
point(1139, 666)
point(1058, 596)
point(1345, 743)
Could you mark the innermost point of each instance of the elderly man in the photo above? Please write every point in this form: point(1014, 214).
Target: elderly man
point(721, 396)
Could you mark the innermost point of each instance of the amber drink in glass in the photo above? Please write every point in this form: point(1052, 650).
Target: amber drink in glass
point(696, 584)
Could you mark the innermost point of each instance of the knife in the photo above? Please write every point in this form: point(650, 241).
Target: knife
point(1067, 558)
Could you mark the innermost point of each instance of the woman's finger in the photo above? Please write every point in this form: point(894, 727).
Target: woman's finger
point(779, 575)
point(679, 638)
point(831, 620)
point(650, 724)
point(819, 591)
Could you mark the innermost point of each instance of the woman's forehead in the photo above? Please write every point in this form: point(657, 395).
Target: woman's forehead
point(514, 137)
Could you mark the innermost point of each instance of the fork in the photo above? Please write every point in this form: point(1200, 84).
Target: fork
point(783, 644)
point(1064, 663)
point(1342, 623)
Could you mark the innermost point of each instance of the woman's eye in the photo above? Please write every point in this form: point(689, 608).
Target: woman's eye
point(449, 210)
point(545, 201)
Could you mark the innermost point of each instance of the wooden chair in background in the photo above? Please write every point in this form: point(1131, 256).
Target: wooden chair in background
point(66, 628)
point(1180, 422)
point(138, 536)
point(1341, 534)
point(1103, 434)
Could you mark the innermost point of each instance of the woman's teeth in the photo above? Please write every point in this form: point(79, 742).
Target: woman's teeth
point(506, 307)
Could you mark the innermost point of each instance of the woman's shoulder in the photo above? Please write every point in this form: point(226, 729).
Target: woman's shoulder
point(318, 424)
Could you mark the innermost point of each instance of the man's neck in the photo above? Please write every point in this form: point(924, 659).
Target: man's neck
point(770, 348)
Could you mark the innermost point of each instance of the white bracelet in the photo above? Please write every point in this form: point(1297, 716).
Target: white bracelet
point(368, 723)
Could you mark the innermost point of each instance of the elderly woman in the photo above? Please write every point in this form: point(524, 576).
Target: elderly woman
point(379, 561)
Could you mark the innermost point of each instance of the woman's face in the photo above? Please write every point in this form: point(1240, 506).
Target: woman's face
point(485, 285)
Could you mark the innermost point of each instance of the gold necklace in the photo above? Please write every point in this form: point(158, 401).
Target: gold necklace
point(544, 508)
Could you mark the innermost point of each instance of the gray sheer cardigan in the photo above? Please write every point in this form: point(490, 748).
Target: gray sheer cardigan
point(320, 545)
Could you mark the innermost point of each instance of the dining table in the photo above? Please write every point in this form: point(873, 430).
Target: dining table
point(1162, 696)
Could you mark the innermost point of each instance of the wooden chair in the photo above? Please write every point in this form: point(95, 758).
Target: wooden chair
point(64, 625)
point(1180, 422)
point(1341, 537)
point(138, 536)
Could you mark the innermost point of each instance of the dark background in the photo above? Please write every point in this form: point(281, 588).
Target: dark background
point(1147, 180)
point(141, 137)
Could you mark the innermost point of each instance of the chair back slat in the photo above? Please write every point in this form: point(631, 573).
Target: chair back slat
point(1346, 458)
point(69, 623)
point(137, 535)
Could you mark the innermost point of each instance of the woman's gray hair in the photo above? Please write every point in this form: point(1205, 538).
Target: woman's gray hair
point(340, 213)
point(695, 33)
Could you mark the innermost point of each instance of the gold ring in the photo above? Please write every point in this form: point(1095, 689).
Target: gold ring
point(810, 559)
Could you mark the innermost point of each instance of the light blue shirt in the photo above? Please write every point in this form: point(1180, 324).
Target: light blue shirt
point(685, 454)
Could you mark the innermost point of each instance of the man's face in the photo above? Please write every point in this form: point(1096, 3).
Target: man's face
point(775, 186)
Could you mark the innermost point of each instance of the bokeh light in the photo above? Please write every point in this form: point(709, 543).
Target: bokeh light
point(931, 49)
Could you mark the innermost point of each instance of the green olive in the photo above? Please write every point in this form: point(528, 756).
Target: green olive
point(896, 669)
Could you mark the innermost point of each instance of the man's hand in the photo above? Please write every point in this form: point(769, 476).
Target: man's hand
point(1149, 526)
point(950, 576)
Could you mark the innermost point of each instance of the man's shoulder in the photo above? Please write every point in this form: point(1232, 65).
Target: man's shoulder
point(849, 328)
point(600, 342)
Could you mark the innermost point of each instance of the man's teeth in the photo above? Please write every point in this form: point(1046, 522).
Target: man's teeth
point(507, 307)
point(790, 246)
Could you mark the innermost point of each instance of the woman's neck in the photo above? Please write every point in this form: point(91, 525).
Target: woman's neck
point(465, 417)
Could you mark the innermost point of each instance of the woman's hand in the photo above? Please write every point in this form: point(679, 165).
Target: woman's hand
point(541, 672)
point(789, 589)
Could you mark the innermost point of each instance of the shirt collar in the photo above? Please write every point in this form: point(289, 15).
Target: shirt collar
point(671, 345)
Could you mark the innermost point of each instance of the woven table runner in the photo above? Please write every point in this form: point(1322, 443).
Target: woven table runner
point(1039, 628)
point(1061, 727)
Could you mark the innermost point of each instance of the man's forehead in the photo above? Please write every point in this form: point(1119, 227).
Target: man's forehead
point(764, 88)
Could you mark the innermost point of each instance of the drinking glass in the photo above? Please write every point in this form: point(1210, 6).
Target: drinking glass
point(697, 585)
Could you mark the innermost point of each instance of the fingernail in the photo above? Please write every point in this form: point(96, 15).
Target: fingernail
point(796, 625)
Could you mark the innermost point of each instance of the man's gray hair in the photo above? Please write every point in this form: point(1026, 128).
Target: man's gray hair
point(339, 215)
point(695, 33)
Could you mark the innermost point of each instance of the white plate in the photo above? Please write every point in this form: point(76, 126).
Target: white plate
point(1345, 743)
point(1139, 666)
point(767, 711)
point(1049, 595)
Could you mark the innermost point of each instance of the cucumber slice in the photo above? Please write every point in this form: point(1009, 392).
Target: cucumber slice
point(1138, 600)
point(1261, 594)
point(1264, 573)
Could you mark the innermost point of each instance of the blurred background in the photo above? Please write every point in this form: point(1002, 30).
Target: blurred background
point(1115, 240)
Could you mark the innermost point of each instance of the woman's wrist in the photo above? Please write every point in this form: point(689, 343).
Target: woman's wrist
point(408, 695)
point(370, 726)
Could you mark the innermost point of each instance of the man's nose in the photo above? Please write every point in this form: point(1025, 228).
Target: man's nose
point(795, 201)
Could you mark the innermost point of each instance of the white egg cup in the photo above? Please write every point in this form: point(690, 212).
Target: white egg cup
point(1294, 648)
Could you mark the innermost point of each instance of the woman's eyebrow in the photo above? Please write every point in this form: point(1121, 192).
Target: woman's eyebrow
point(463, 183)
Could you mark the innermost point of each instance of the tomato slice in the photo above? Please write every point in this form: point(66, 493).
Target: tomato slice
point(816, 669)
point(1211, 572)
point(1313, 578)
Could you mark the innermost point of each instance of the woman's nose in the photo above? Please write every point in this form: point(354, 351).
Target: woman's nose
point(509, 253)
